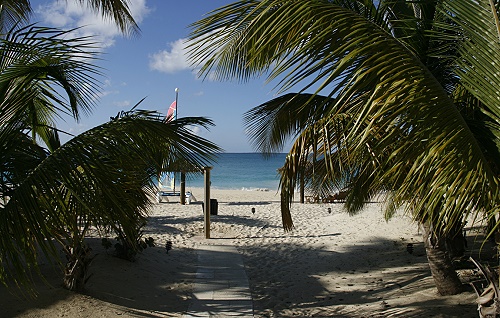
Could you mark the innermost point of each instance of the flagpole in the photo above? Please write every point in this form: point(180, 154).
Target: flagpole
point(176, 105)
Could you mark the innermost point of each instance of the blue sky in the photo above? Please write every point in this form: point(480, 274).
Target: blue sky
point(152, 65)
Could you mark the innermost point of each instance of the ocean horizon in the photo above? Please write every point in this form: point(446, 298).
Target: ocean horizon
point(241, 171)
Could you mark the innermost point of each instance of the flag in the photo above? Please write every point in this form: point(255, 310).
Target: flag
point(172, 111)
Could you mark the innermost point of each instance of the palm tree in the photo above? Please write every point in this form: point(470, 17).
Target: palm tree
point(394, 97)
point(100, 179)
point(53, 194)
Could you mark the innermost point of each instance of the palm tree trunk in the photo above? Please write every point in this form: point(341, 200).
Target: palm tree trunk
point(76, 269)
point(456, 243)
point(445, 277)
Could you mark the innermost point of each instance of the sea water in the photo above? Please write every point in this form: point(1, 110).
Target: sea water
point(242, 171)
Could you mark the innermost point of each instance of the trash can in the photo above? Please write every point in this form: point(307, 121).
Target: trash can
point(214, 206)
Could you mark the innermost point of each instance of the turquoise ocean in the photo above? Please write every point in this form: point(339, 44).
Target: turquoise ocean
point(242, 171)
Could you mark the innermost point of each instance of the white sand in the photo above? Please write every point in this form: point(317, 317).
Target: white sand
point(330, 265)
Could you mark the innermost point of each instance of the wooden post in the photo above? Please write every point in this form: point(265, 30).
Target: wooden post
point(183, 188)
point(207, 201)
point(301, 188)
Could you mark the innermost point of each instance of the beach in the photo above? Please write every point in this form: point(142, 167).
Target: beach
point(331, 265)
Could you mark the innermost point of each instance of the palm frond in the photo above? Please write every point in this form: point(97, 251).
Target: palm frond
point(479, 52)
point(37, 64)
point(14, 12)
point(400, 129)
point(117, 10)
point(103, 175)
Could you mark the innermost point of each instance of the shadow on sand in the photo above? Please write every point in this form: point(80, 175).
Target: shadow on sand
point(161, 284)
point(385, 274)
point(155, 284)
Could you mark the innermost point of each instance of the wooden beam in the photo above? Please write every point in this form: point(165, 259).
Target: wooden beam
point(183, 188)
point(207, 201)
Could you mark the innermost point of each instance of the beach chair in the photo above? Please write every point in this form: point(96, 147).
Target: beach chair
point(164, 195)
point(166, 188)
point(329, 199)
point(312, 199)
point(340, 196)
point(337, 197)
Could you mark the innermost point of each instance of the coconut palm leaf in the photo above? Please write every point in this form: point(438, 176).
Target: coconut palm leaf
point(479, 49)
point(37, 64)
point(117, 10)
point(13, 12)
point(17, 12)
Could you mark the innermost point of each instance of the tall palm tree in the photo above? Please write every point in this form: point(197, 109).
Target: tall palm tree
point(392, 96)
point(101, 179)
point(52, 193)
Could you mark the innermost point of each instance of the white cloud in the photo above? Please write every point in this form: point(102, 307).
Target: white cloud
point(107, 93)
point(107, 83)
point(69, 14)
point(175, 58)
point(170, 61)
